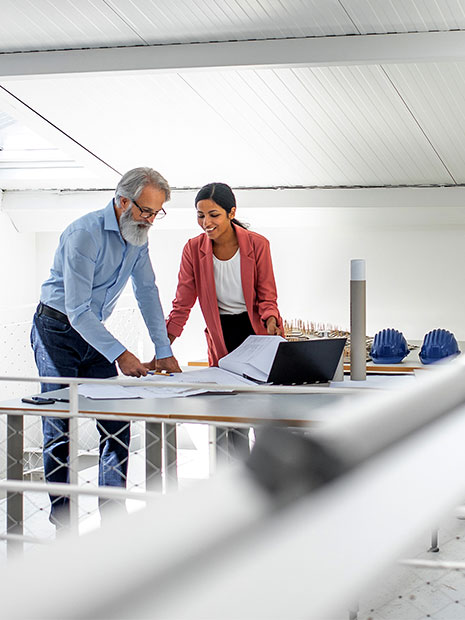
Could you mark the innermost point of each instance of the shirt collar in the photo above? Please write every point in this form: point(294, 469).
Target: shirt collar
point(111, 223)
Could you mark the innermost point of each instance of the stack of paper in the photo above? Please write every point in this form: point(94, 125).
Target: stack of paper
point(147, 386)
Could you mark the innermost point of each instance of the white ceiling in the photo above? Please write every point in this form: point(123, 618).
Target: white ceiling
point(294, 93)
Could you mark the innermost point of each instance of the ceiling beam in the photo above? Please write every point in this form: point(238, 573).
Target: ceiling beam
point(406, 208)
point(258, 198)
point(313, 52)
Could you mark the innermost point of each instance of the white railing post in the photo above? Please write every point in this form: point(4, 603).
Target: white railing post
point(14, 469)
point(73, 455)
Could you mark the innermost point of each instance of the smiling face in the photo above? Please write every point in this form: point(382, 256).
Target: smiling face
point(214, 220)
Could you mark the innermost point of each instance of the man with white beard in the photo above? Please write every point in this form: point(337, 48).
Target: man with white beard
point(95, 258)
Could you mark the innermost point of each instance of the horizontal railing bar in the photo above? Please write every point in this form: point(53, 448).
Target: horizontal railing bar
point(443, 564)
point(100, 415)
point(56, 488)
point(157, 418)
point(25, 539)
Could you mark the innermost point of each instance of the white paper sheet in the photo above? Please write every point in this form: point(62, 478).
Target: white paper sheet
point(119, 392)
point(102, 392)
point(254, 357)
point(205, 375)
point(147, 386)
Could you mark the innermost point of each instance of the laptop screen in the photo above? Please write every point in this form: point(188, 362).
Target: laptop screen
point(306, 361)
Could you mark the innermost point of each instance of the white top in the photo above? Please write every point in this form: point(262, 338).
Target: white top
point(357, 269)
point(228, 283)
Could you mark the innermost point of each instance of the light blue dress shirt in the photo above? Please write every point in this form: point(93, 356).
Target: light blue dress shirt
point(91, 267)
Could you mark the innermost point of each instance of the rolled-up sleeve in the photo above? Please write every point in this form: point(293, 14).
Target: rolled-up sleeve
point(148, 298)
point(80, 253)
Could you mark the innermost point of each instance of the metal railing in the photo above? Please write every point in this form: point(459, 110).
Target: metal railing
point(160, 449)
point(272, 539)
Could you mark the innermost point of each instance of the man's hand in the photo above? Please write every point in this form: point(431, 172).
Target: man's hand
point(130, 365)
point(170, 364)
point(272, 328)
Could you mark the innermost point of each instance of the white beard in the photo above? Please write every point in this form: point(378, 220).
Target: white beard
point(135, 233)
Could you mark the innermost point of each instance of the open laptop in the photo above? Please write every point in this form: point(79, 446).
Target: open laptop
point(272, 359)
point(306, 361)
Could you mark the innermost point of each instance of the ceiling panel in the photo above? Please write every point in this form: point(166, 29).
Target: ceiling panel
point(386, 16)
point(329, 126)
point(27, 159)
point(332, 126)
point(435, 93)
point(146, 120)
point(36, 154)
point(221, 20)
point(61, 24)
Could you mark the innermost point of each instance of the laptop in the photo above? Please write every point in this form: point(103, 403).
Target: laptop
point(272, 359)
point(306, 361)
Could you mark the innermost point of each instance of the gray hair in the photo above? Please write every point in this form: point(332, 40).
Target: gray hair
point(133, 183)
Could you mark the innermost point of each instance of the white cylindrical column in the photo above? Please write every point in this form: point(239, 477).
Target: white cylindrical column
point(358, 369)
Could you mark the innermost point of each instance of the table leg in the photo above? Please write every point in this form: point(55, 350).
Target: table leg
point(153, 456)
point(170, 465)
point(434, 541)
point(353, 611)
point(222, 446)
point(211, 450)
point(14, 468)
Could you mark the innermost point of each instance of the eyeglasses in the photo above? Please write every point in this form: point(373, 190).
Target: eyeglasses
point(148, 213)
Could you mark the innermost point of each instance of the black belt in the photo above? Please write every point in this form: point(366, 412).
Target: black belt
point(52, 313)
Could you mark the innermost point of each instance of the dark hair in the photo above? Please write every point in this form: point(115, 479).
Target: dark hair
point(223, 195)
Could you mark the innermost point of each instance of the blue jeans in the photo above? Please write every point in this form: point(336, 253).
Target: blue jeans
point(60, 351)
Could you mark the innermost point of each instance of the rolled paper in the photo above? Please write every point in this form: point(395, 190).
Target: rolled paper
point(358, 370)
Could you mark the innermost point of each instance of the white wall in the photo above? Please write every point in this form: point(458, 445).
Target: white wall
point(414, 258)
point(17, 296)
point(414, 255)
point(17, 260)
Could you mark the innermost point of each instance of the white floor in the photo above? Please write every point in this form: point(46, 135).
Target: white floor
point(407, 593)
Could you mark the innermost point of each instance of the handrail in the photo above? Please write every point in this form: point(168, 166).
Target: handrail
point(57, 488)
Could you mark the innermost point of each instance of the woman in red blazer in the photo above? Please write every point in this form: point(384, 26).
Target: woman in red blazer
point(229, 269)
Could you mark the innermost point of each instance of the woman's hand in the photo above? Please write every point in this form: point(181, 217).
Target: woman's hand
point(150, 365)
point(169, 364)
point(272, 328)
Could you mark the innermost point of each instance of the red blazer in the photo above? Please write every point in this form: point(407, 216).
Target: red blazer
point(196, 279)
